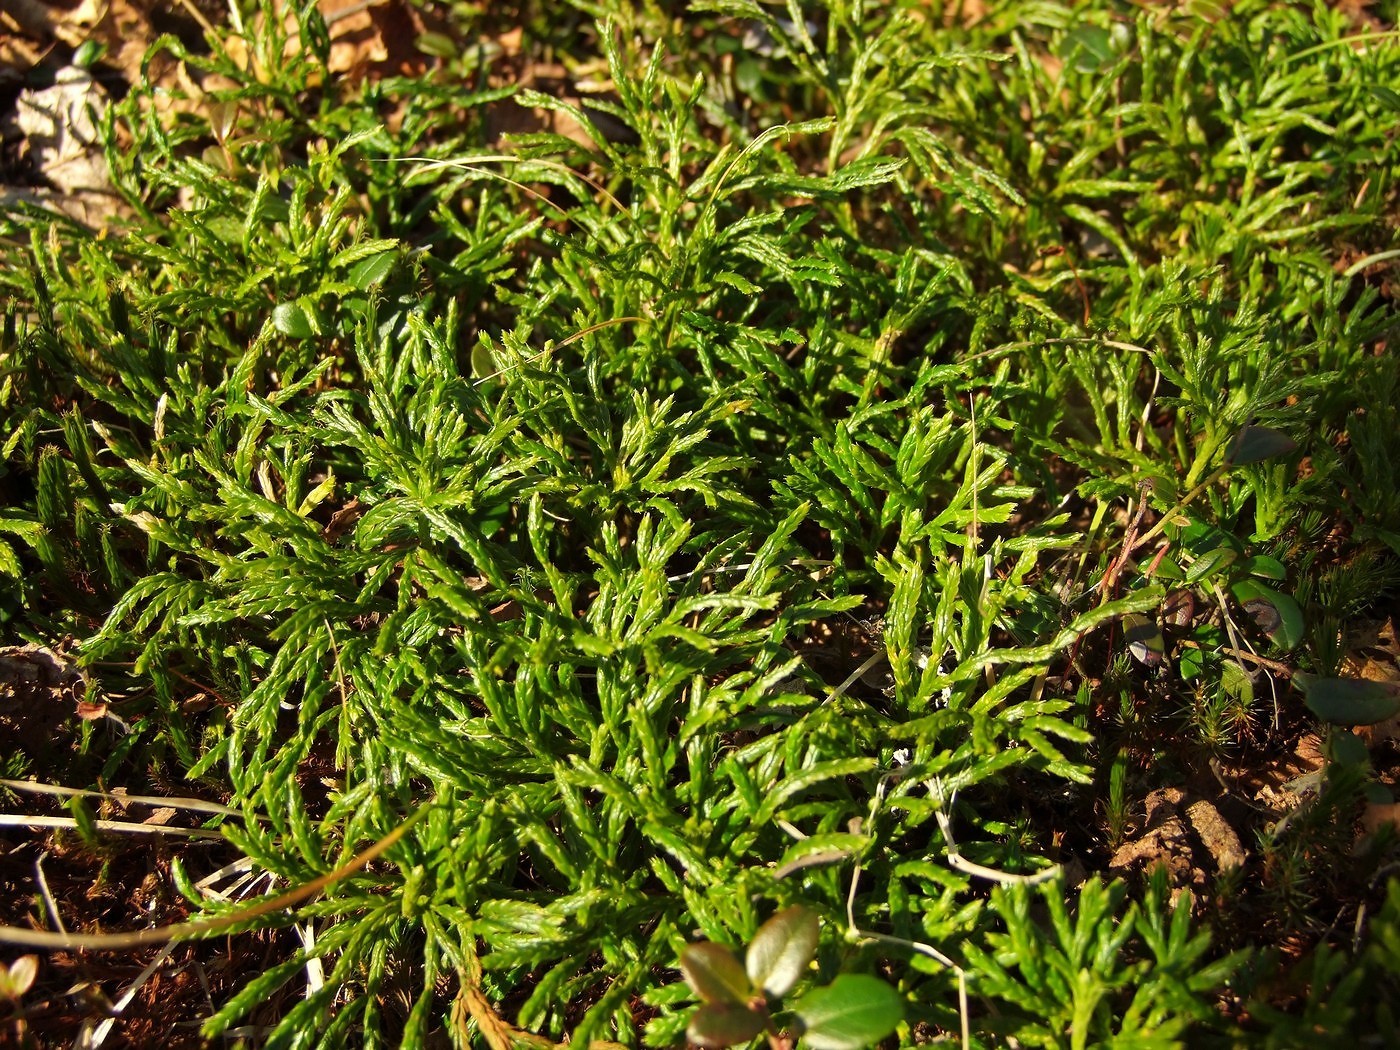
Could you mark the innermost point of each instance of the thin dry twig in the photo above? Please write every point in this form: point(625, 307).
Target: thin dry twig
point(50, 905)
point(25, 820)
point(197, 805)
point(200, 927)
point(100, 1033)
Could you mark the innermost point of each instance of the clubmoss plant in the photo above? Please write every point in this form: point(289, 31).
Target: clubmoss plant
point(378, 467)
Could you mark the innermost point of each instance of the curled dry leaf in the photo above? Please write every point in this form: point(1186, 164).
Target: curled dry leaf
point(1179, 608)
point(378, 35)
point(1380, 815)
point(1185, 835)
point(60, 128)
point(1375, 657)
point(58, 131)
point(1216, 834)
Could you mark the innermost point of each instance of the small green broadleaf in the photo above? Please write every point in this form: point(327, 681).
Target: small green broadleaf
point(1169, 570)
point(295, 320)
point(1236, 682)
point(782, 950)
point(1090, 48)
point(1346, 748)
point(1191, 664)
point(1209, 563)
point(1144, 639)
point(483, 360)
point(1349, 701)
point(714, 974)
point(18, 977)
point(723, 1024)
point(1263, 565)
point(369, 271)
point(1274, 613)
point(853, 1011)
point(1387, 97)
point(1378, 794)
point(438, 45)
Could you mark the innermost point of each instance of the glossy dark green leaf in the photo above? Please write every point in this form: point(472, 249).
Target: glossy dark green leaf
point(1210, 564)
point(714, 974)
point(782, 950)
point(1346, 748)
point(368, 272)
point(1191, 664)
point(1349, 701)
point(1209, 636)
point(1263, 565)
point(1144, 639)
point(1199, 537)
point(854, 1011)
point(1274, 613)
point(1260, 443)
point(1386, 96)
point(295, 320)
point(723, 1024)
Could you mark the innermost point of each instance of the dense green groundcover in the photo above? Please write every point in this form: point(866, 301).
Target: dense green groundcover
point(560, 485)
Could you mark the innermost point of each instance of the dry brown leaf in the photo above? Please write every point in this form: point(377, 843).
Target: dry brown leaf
point(1378, 815)
point(161, 817)
point(60, 126)
point(1162, 834)
point(356, 40)
point(90, 712)
point(18, 55)
point(1374, 655)
point(38, 689)
point(344, 519)
point(94, 210)
point(1167, 841)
